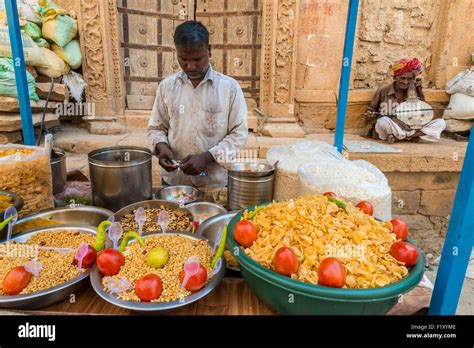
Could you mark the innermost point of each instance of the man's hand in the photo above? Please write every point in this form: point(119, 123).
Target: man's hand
point(195, 164)
point(165, 156)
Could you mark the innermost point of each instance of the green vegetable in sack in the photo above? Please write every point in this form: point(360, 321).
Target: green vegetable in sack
point(71, 53)
point(42, 43)
point(32, 30)
point(8, 82)
point(59, 27)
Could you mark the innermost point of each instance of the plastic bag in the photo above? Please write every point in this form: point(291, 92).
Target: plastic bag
point(8, 82)
point(26, 12)
point(56, 66)
point(462, 83)
point(58, 26)
point(75, 192)
point(453, 125)
point(71, 53)
point(29, 175)
point(353, 181)
point(32, 53)
point(290, 157)
point(43, 43)
point(76, 84)
point(461, 107)
point(32, 30)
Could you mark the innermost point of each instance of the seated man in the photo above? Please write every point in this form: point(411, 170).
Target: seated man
point(387, 98)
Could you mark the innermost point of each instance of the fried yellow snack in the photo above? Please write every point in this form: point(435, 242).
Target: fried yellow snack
point(316, 228)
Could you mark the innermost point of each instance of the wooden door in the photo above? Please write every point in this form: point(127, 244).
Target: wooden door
point(148, 50)
point(147, 45)
point(235, 37)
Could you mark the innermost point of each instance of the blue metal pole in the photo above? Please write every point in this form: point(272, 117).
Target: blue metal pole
point(458, 244)
point(345, 73)
point(20, 72)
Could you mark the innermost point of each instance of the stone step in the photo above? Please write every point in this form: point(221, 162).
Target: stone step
point(276, 130)
point(10, 104)
point(59, 93)
point(105, 128)
point(12, 123)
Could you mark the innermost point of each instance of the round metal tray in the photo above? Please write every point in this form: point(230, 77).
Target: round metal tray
point(210, 228)
point(153, 204)
point(52, 295)
point(204, 210)
point(162, 307)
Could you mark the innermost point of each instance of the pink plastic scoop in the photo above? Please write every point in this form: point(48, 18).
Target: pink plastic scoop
point(191, 267)
point(115, 233)
point(140, 218)
point(81, 252)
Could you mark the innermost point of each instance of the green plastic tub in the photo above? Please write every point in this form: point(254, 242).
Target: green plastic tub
point(289, 296)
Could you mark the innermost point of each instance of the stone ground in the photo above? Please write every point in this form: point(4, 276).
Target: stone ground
point(77, 142)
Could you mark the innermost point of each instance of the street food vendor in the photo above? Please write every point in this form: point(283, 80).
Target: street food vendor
point(199, 118)
point(388, 98)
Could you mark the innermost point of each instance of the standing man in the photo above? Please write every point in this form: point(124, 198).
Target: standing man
point(386, 100)
point(199, 118)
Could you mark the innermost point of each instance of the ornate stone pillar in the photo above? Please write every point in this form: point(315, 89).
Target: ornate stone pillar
point(278, 65)
point(102, 63)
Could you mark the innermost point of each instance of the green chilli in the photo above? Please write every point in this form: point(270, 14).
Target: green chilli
point(127, 238)
point(220, 249)
point(101, 237)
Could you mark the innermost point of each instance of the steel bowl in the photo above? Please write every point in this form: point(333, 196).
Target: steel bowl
point(204, 210)
point(16, 200)
point(169, 193)
point(153, 204)
point(210, 228)
point(83, 215)
point(52, 295)
point(157, 307)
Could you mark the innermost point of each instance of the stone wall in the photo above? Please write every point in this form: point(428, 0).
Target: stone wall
point(433, 30)
point(392, 29)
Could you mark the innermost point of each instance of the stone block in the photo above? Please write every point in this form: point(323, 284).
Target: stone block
point(437, 202)
point(59, 93)
point(405, 202)
point(403, 181)
point(290, 130)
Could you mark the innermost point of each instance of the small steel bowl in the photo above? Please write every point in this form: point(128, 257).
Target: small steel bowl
point(157, 307)
point(52, 295)
point(17, 201)
point(170, 193)
point(153, 204)
point(204, 210)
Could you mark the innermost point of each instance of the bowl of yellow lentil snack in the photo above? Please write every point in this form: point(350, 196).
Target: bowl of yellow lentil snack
point(320, 255)
point(39, 268)
point(152, 275)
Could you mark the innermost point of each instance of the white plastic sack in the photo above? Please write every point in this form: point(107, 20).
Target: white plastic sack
point(353, 181)
point(453, 125)
point(76, 85)
point(290, 157)
point(461, 107)
point(462, 83)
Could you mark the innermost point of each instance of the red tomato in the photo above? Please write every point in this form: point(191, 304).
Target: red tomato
point(149, 287)
point(332, 273)
point(196, 281)
point(88, 260)
point(16, 280)
point(332, 194)
point(400, 228)
point(109, 262)
point(405, 252)
point(245, 233)
point(285, 261)
point(366, 207)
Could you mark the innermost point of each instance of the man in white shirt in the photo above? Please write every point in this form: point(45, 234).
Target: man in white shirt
point(199, 118)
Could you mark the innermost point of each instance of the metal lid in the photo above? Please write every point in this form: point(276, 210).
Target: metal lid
point(119, 156)
point(254, 169)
